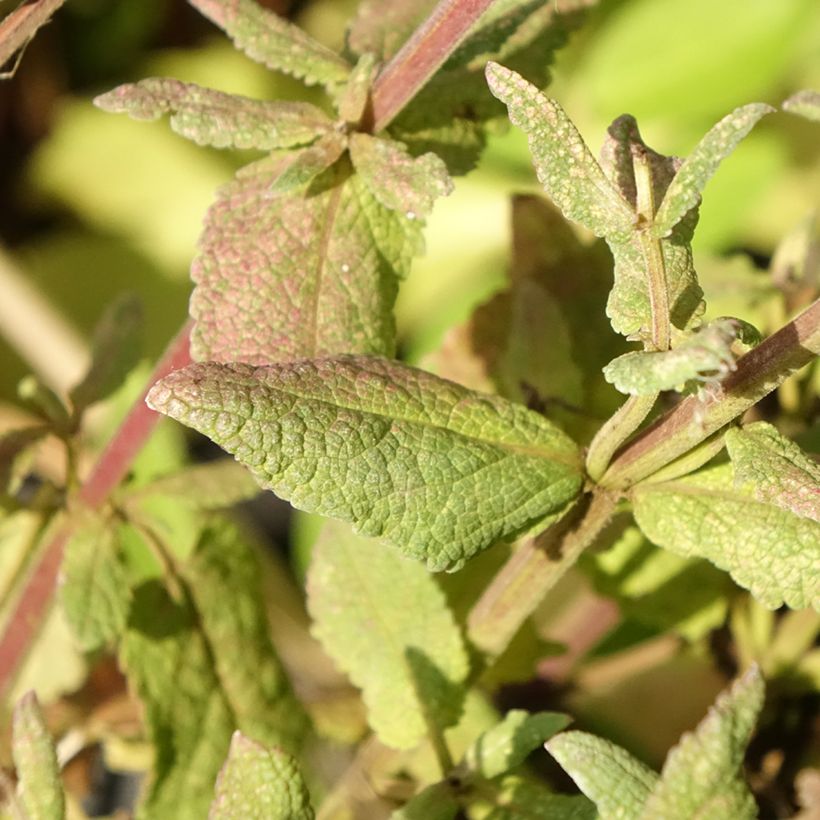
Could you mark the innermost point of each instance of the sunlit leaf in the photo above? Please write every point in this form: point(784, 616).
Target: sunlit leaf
point(806, 103)
point(305, 165)
point(518, 798)
point(355, 96)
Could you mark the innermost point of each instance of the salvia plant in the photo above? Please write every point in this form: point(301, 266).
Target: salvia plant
point(514, 432)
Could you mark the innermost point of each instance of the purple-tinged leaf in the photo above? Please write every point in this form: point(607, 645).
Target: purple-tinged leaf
point(397, 180)
point(274, 42)
point(308, 163)
point(214, 118)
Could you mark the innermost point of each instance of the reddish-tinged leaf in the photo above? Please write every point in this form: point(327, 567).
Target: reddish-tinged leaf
point(353, 100)
point(383, 26)
point(310, 162)
point(18, 27)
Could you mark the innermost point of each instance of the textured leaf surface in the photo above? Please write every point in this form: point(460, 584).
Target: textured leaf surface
point(437, 470)
point(775, 469)
point(201, 662)
point(94, 588)
point(806, 103)
point(697, 169)
point(274, 42)
point(518, 798)
point(286, 277)
point(616, 782)
point(397, 180)
point(702, 774)
point(766, 549)
point(257, 783)
point(507, 744)
point(354, 97)
point(386, 624)
point(305, 165)
point(382, 26)
point(214, 118)
point(565, 167)
point(39, 788)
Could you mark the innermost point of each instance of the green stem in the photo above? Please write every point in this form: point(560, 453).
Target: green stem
point(533, 570)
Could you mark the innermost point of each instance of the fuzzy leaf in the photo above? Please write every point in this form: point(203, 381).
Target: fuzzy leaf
point(307, 164)
point(697, 169)
point(702, 774)
point(435, 802)
point(564, 164)
point(284, 277)
point(518, 798)
point(257, 783)
point(397, 180)
point(382, 26)
point(355, 96)
point(766, 549)
point(385, 623)
point(211, 117)
point(616, 782)
point(775, 469)
point(805, 103)
point(94, 588)
point(39, 788)
point(200, 660)
point(435, 469)
point(274, 42)
point(115, 350)
point(509, 743)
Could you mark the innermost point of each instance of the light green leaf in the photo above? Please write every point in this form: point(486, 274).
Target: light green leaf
point(258, 783)
point(436, 802)
point(115, 350)
point(385, 623)
point(201, 662)
point(354, 97)
point(305, 165)
point(765, 548)
point(702, 774)
point(618, 784)
point(565, 167)
point(397, 180)
point(508, 743)
point(214, 118)
point(285, 277)
point(39, 788)
point(518, 798)
point(94, 588)
point(805, 103)
point(775, 469)
point(697, 169)
point(274, 42)
point(437, 470)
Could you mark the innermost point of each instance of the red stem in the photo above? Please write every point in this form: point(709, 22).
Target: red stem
point(111, 467)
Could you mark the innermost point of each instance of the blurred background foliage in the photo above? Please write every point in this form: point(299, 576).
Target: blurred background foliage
point(94, 204)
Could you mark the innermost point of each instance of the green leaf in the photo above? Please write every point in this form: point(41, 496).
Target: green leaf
point(766, 549)
point(284, 277)
point(381, 27)
point(437, 470)
point(355, 96)
point(509, 743)
point(39, 788)
point(305, 165)
point(697, 169)
point(211, 117)
point(256, 782)
point(201, 661)
point(115, 350)
point(385, 623)
point(518, 798)
point(94, 591)
point(436, 802)
point(775, 469)
point(702, 776)
point(805, 103)
point(565, 167)
point(397, 180)
point(616, 782)
point(274, 42)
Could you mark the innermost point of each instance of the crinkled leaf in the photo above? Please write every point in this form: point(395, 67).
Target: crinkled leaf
point(39, 788)
point(518, 798)
point(565, 167)
point(274, 42)
point(509, 743)
point(211, 117)
point(616, 782)
point(436, 802)
point(437, 470)
point(201, 661)
point(397, 180)
point(386, 624)
point(257, 783)
point(356, 94)
point(305, 165)
point(775, 469)
point(684, 191)
point(702, 776)
point(115, 350)
point(806, 103)
point(766, 549)
point(94, 588)
point(284, 277)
